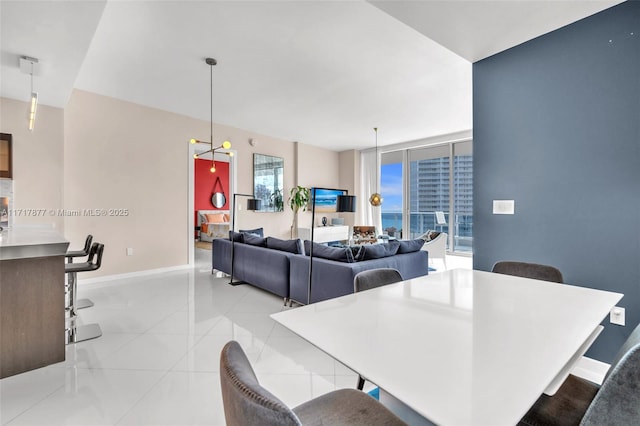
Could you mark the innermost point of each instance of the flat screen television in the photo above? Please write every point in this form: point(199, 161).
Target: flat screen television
point(326, 199)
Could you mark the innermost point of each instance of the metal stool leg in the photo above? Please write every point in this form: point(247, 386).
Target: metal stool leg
point(84, 332)
point(83, 303)
point(73, 333)
point(71, 307)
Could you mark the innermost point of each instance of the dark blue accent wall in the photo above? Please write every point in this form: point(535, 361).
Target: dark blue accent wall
point(556, 127)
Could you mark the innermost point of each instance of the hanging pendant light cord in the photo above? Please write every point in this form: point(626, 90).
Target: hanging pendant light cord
point(375, 129)
point(213, 151)
point(211, 101)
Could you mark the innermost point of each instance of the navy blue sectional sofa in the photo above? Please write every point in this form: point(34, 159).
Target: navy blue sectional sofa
point(286, 274)
point(334, 279)
point(261, 267)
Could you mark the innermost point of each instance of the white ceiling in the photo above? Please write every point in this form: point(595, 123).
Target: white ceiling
point(319, 72)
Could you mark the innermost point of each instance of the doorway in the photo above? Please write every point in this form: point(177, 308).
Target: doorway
point(191, 198)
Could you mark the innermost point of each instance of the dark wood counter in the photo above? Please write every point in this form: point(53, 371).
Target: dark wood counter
point(32, 318)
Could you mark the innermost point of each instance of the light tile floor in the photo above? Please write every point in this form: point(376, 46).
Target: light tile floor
point(157, 362)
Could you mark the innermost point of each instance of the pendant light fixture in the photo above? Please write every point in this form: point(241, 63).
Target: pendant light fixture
point(226, 144)
point(376, 199)
point(29, 66)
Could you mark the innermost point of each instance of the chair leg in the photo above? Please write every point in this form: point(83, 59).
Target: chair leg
point(360, 383)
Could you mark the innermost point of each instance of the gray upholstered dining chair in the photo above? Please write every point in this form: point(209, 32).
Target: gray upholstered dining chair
point(616, 402)
point(247, 403)
point(373, 278)
point(528, 270)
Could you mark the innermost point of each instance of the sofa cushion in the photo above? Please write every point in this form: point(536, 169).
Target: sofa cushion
point(378, 251)
point(258, 231)
point(236, 236)
point(409, 246)
point(340, 254)
point(291, 246)
point(253, 239)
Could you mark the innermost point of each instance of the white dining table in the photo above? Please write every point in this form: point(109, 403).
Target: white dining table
point(459, 347)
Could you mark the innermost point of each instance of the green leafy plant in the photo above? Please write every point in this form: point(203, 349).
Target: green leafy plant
point(276, 200)
point(299, 198)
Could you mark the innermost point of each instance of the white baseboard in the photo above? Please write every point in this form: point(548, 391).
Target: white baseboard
point(98, 281)
point(591, 369)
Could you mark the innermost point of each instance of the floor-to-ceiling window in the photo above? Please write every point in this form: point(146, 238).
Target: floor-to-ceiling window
point(430, 188)
point(391, 186)
point(462, 197)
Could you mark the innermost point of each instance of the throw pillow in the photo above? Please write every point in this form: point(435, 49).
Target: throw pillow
point(409, 246)
point(429, 235)
point(378, 251)
point(355, 251)
point(215, 218)
point(258, 231)
point(339, 254)
point(291, 246)
point(253, 239)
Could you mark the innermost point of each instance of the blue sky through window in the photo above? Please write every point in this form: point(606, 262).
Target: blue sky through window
point(391, 187)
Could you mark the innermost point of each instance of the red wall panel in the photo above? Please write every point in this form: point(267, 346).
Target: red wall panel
point(204, 181)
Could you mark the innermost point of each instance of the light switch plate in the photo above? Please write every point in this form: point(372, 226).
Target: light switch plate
point(504, 206)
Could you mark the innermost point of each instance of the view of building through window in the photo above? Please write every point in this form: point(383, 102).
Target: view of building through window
point(431, 179)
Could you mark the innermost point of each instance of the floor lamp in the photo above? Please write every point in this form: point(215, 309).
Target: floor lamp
point(252, 204)
point(344, 204)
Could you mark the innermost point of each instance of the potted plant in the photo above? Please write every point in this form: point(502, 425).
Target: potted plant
point(299, 198)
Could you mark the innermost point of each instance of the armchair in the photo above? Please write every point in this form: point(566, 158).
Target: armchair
point(437, 247)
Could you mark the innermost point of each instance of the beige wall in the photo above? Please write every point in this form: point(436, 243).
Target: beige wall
point(129, 161)
point(320, 168)
point(37, 161)
point(120, 155)
point(349, 164)
point(276, 224)
point(101, 154)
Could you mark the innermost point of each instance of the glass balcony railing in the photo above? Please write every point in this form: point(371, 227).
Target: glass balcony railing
point(421, 222)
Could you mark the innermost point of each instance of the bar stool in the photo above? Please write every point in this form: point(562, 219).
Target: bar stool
point(70, 255)
point(76, 334)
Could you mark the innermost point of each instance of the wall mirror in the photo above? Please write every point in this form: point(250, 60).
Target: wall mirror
point(268, 182)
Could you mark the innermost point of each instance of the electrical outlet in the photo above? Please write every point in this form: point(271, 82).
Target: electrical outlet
point(617, 315)
point(129, 251)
